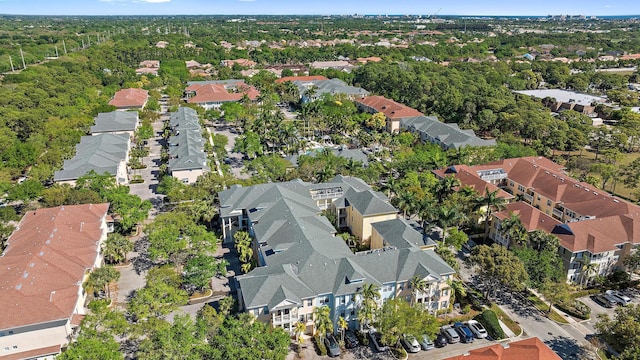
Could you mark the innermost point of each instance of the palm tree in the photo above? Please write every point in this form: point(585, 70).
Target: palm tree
point(405, 201)
point(342, 325)
point(445, 187)
point(448, 215)
point(490, 202)
point(115, 248)
point(457, 290)
point(246, 267)
point(541, 240)
point(370, 294)
point(418, 285)
point(515, 231)
point(100, 278)
point(322, 321)
point(587, 269)
point(299, 329)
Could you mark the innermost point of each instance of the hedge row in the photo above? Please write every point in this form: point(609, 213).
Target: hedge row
point(576, 309)
point(489, 319)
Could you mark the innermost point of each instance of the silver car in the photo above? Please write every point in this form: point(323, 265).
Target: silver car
point(410, 343)
point(477, 329)
point(619, 297)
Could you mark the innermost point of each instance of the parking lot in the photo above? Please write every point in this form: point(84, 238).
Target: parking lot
point(597, 309)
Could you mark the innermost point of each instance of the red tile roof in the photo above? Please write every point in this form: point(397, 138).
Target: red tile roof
point(301, 78)
point(45, 261)
point(599, 235)
point(532, 218)
point(390, 108)
point(130, 98)
point(470, 178)
point(241, 62)
point(50, 350)
point(528, 349)
point(206, 93)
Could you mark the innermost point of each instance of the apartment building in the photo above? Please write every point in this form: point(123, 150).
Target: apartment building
point(187, 158)
point(302, 264)
point(589, 222)
point(47, 258)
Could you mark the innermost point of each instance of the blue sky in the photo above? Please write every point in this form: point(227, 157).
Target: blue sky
point(322, 7)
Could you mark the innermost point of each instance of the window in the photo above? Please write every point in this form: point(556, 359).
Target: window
point(520, 188)
point(445, 292)
point(6, 348)
point(511, 183)
point(310, 302)
point(10, 332)
point(444, 305)
point(324, 300)
point(548, 202)
point(15, 347)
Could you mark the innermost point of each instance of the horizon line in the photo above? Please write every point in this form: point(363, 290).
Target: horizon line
point(309, 14)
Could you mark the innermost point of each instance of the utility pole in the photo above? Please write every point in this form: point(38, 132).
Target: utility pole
point(11, 62)
point(57, 51)
point(24, 66)
point(64, 47)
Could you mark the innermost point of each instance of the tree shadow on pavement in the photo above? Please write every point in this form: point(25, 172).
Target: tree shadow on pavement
point(568, 349)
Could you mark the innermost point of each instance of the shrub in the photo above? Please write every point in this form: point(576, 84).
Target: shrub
point(321, 349)
point(583, 293)
point(575, 308)
point(489, 319)
point(362, 338)
point(466, 309)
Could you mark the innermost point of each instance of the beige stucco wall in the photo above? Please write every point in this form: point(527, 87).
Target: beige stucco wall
point(191, 175)
point(361, 226)
point(33, 340)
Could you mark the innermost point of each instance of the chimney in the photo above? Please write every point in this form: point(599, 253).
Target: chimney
point(51, 296)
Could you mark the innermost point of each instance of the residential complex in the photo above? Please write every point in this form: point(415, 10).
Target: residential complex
point(589, 222)
point(212, 94)
point(116, 122)
point(47, 258)
point(130, 99)
point(312, 88)
point(101, 153)
point(393, 111)
point(303, 264)
point(148, 67)
point(187, 158)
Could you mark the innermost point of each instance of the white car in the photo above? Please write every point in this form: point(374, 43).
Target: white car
point(619, 297)
point(477, 329)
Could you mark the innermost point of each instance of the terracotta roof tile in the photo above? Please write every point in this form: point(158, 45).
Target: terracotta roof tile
point(50, 350)
point(127, 98)
point(45, 261)
point(301, 78)
point(209, 92)
point(532, 218)
point(528, 349)
point(390, 108)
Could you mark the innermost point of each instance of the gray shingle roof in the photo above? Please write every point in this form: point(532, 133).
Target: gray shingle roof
point(187, 146)
point(101, 153)
point(331, 86)
point(369, 202)
point(355, 154)
point(400, 234)
point(449, 136)
point(115, 121)
point(303, 258)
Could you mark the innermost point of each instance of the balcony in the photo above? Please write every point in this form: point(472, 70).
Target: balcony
point(527, 197)
point(557, 213)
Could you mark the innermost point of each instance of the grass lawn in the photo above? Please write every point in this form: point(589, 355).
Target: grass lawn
point(512, 325)
point(621, 190)
point(542, 306)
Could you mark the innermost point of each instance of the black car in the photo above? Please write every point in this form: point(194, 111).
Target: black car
point(350, 339)
point(441, 341)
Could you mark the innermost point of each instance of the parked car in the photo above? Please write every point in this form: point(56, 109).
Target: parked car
point(466, 336)
point(426, 343)
point(620, 298)
point(477, 329)
point(441, 341)
point(410, 343)
point(451, 334)
point(350, 339)
point(603, 301)
point(376, 339)
point(333, 348)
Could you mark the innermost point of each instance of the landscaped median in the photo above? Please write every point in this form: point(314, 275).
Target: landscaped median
point(552, 314)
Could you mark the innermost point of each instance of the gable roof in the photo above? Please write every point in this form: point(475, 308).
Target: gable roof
point(330, 86)
point(391, 109)
point(186, 148)
point(229, 90)
point(302, 256)
point(369, 203)
point(130, 98)
point(301, 78)
point(101, 153)
point(45, 261)
point(600, 234)
point(532, 218)
point(400, 234)
point(115, 121)
point(450, 136)
point(529, 349)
